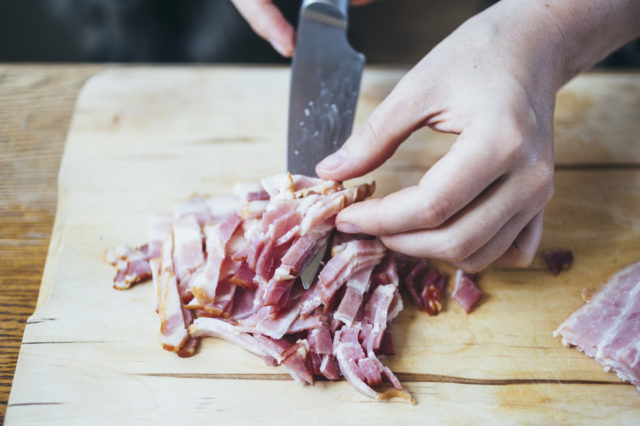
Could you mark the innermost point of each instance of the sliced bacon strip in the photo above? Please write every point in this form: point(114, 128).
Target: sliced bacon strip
point(197, 206)
point(354, 257)
point(132, 265)
point(376, 313)
point(212, 327)
point(350, 304)
point(217, 236)
point(465, 292)
point(187, 251)
point(159, 226)
point(173, 333)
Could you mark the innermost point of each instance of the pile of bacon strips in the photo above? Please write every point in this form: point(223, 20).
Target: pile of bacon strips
point(228, 267)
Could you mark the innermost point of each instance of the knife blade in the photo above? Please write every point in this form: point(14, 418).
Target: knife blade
point(325, 82)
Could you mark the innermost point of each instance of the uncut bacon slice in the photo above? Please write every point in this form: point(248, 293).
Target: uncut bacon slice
point(608, 326)
point(217, 236)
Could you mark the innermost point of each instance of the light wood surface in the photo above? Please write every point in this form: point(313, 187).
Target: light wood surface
point(36, 103)
point(142, 139)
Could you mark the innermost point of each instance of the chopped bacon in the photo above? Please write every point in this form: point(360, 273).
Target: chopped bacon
point(244, 285)
point(354, 257)
point(173, 333)
point(607, 327)
point(132, 265)
point(212, 327)
point(465, 292)
point(357, 285)
point(197, 206)
point(217, 236)
point(158, 229)
point(187, 250)
point(558, 260)
point(298, 363)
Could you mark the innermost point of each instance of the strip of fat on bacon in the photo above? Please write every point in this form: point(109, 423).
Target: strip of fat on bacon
point(607, 327)
point(228, 267)
point(217, 236)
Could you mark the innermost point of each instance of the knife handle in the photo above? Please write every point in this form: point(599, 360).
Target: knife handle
point(334, 7)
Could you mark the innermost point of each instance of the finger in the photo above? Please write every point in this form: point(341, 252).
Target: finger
point(521, 253)
point(508, 235)
point(373, 142)
point(478, 223)
point(269, 23)
point(454, 181)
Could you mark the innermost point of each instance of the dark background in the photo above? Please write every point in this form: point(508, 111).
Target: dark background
point(208, 31)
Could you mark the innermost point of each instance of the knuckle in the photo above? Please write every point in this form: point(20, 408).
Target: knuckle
point(457, 251)
point(368, 133)
point(543, 173)
point(435, 213)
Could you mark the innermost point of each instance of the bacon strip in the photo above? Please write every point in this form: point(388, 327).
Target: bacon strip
point(217, 236)
point(465, 292)
point(608, 326)
point(244, 286)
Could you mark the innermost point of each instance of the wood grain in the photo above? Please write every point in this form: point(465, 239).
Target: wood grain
point(173, 131)
point(36, 103)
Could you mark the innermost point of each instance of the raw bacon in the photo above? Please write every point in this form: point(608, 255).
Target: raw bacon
point(465, 292)
point(229, 267)
point(607, 328)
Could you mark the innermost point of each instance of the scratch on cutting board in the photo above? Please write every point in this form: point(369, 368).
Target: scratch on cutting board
point(405, 377)
point(26, 404)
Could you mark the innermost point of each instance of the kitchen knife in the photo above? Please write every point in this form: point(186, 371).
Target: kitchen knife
point(325, 81)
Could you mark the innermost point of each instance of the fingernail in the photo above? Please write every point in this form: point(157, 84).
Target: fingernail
point(332, 162)
point(349, 228)
point(280, 48)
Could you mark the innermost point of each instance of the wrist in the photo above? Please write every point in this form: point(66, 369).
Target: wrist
point(569, 36)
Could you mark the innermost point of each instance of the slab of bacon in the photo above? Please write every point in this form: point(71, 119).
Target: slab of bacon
point(607, 328)
point(229, 267)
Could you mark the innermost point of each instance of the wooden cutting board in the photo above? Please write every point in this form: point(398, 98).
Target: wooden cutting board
point(143, 139)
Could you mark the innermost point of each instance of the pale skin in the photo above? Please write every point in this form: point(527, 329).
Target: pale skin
point(493, 83)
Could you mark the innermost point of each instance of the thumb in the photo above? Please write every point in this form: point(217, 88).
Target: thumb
point(373, 142)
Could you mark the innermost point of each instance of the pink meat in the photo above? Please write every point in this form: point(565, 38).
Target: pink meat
point(212, 327)
point(132, 265)
point(608, 326)
point(354, 257)
point(376, 312)
point(196, 206)
point(187, 240)
point(158, 229)
point(465, 292)
point(217, 236)
point(246, 280)
point(350, 304)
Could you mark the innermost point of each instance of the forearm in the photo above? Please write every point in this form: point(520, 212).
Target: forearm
point(570, 36)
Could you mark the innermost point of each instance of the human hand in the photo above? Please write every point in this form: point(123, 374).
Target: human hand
point(494, 86)
point(267, 21)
